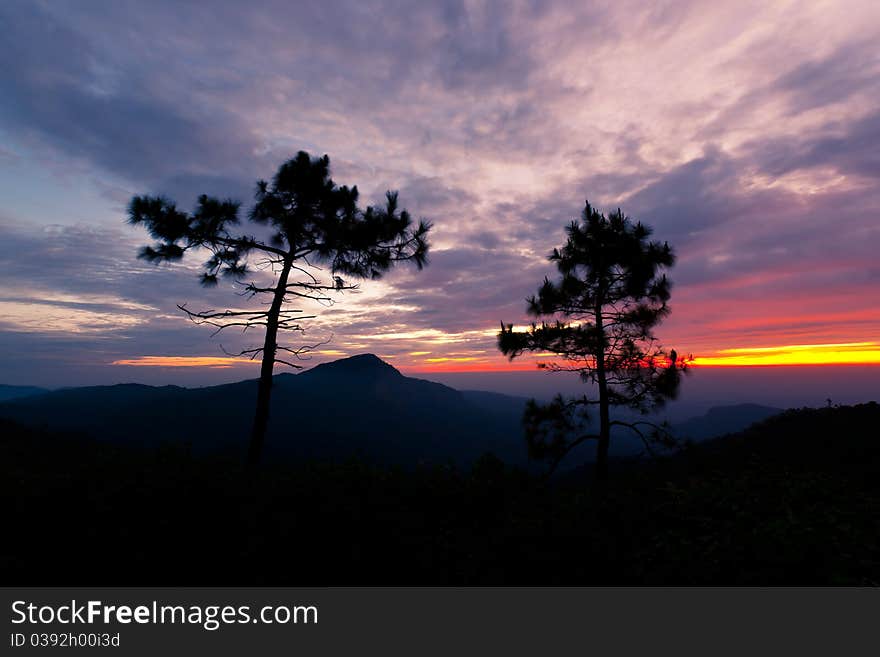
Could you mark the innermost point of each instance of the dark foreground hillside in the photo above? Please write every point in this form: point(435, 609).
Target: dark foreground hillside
point(793, 500)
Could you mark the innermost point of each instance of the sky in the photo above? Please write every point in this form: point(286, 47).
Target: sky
point(747, 134)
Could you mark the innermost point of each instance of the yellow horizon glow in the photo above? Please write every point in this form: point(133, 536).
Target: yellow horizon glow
point(834, 353)
point(838, 353)
point(215, 362)
point(451, 359)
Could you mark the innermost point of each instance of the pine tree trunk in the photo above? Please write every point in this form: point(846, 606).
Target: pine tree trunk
point(264, 387)
point(604, 419)
point(604, 432)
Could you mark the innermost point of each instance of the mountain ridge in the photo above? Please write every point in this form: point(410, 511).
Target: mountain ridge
point(356, 407)
point(360, 364)
point(8, 392)
point(360, 406)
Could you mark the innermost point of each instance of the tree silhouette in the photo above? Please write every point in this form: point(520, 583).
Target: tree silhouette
point(310, 221)
point(611, 294)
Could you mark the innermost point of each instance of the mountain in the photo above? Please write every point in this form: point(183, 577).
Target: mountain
point(721, 420)
point(496, 402)
point(17, 392)
point(358, 407)
point(355, 407)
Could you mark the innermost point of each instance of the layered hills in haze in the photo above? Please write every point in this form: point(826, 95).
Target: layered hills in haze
point(359, 407)
point(17, 392)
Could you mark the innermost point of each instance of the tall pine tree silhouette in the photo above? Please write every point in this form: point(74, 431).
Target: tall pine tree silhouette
point(310, 221)
point(599, 318)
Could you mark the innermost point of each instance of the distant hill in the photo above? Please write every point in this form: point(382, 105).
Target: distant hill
point(721, 420)
point(355, 407)
point(358, 407)
point(17, 392)
point(823, 439)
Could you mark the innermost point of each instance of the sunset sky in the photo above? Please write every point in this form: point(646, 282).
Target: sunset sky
point(746, 133)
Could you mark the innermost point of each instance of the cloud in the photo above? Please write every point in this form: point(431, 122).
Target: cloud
point(67, 90)
point(745, 133)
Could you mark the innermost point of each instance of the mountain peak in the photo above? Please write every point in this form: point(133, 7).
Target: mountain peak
point(360, 365)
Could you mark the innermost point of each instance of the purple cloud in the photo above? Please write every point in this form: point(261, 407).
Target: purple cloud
point(746, 134)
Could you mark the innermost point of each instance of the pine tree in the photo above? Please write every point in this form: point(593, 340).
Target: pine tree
point(310, 221)
point(599, 318)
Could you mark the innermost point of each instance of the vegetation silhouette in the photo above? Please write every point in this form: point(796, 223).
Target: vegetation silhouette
point(794, 500)
point(611, 293)
point(311, 220)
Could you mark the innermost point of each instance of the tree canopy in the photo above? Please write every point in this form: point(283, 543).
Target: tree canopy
point(309, 216)
point(306, 220)
point(598, 320)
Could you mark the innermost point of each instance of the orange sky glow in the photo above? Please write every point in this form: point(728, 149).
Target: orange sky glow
point(846, 353)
